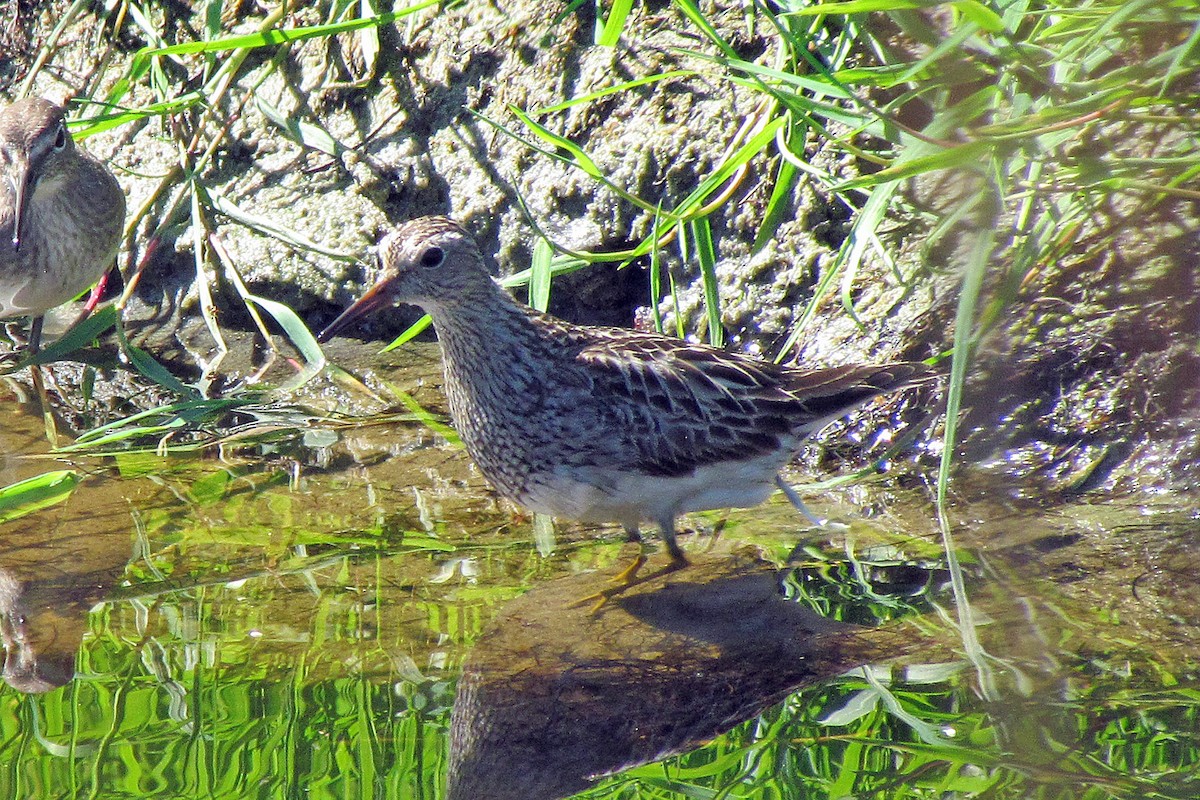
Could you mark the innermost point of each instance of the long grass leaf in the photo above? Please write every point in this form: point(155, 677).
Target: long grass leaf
point(368, 38)
point(693, 13)
point(540, 275)
point(610, 34)
point(655, 275)
point(146, 364)
point(426, 417)
point(279, 35)
point(864, 6)
point(115, 118)
point(706, 255)
point(270, 227)
point(871, 216)
point(816, 85)
point(189, 411)
point(577, 155)
point(299, 334)
point(964, 342)
point(411, 333)
point(33, 494)
point(980, 15)
point(304, 133)
point(777, 204)
point(725, 171)
point(568, 158)
point(968, 154)
point(204, 281)
point(620, 87)
point(76, 338)
point(560, 264)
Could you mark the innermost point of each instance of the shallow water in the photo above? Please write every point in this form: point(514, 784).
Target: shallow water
point(352, 613)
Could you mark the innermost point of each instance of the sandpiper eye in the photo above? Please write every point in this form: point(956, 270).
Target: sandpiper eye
point(432, 257)
point(60, 141)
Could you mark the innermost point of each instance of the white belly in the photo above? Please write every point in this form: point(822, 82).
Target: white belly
point(631, 498)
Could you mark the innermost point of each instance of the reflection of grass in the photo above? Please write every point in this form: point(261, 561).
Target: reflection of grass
point(838, 740)
point(232, 730)
point(33, 494)
point(254, 650)
point(871, 588)
point(280, 736)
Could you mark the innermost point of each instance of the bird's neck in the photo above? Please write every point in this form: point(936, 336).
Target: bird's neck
point(491, 346)
point(487, 324)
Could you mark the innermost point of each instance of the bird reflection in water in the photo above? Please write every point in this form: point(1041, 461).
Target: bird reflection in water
point(554, 696)
point(41, 631)
point(55, 565)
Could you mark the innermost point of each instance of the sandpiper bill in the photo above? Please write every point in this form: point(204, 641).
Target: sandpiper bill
point(606, 424)
point(61, 214)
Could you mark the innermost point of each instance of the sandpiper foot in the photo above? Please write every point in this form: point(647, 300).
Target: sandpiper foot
point(625, 580)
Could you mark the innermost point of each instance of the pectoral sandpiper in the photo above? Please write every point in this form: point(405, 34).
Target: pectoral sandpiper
point(605, 424)
point(61, 214)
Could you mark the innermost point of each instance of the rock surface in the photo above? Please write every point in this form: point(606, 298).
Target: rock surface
point(1087, 377)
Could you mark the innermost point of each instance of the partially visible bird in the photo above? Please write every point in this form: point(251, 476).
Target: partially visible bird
point(61, 214)
point(606, 424)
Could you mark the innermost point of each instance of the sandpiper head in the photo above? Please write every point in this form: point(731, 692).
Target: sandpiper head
point(34, 145)
point(426, 262)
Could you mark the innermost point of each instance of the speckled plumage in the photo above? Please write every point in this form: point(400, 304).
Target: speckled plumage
point(61, 212)
point(606, 424)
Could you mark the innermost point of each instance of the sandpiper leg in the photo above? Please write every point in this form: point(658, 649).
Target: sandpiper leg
point(791, 495)
point(629, 577)
point(35, 335)
point(666, 530)
point(39, 384)
point(626, 576)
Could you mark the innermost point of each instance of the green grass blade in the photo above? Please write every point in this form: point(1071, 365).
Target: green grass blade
point(620, 87)
point(33, 494)
point(268, 226)
point(76, 338)
point(540, 275)
point(303, 133)
point(427, 418)
point(706, 254)
point(299, 334)
point(693, 13)
point(189, 412)
point(576, 154)
point(115, 118)
point(655, 275)
point(747, 151)
point(865, 6)
point(610, 33)
point(777, 205)
point(849, 256)
point(964, 341)
point(413, 332)
point(279, 35)
point(964, 155)
point(815, 86)
point(146, 364)
point(980, 15)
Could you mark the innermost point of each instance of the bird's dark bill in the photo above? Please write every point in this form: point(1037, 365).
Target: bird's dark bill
point(22, 192)
point(375, 298)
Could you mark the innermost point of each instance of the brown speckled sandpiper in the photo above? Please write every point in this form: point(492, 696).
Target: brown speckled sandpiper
point(61, 214)
point(606, 424)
